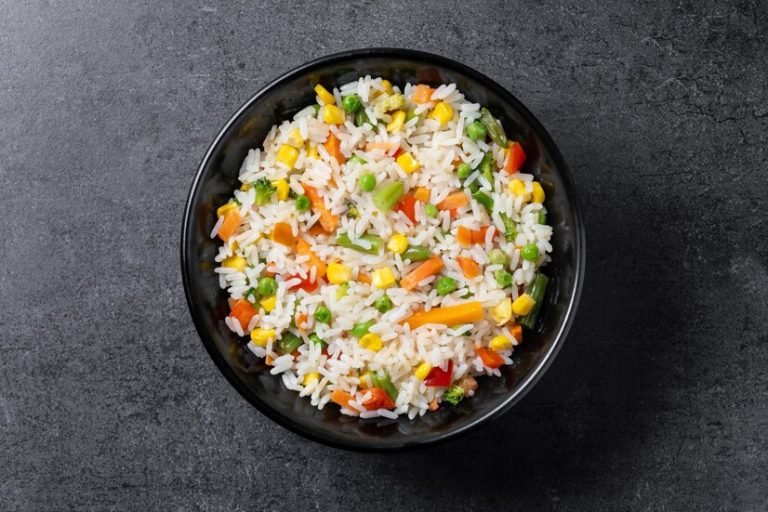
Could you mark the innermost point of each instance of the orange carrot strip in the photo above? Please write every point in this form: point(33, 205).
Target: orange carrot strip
point(243, 310)
point(453, 201)
point(422, 93)
point(341, 398)
point(328, 220)
point(517, 332)
point(333, 147)
point(302, 247)
point(464, 236)
point(421, 194)
point(490, 358)
point(283, 234)
point(448, 315)
point(230, 224)
point(469, 267)
point(429, 268)
point(364, 278)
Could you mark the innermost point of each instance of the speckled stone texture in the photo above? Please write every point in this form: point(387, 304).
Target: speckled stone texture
point(659, 399)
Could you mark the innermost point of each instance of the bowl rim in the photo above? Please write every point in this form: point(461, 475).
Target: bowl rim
point(578, 226)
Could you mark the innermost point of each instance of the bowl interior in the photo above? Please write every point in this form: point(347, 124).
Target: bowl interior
point(217, 178)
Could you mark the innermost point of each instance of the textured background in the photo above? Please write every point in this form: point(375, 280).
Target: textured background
point(659, 399)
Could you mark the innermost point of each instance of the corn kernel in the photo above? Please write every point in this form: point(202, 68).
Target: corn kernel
point(310, 378)
point(282, 189)
point(295, 138)
point(397, 122)
point(333, 115)
point(269, 303)
point(338, 273)
point(442, 113)
point(517, 188)
point(287, 155)
point(538, 193)
point(397, 244)
point(236, 262)
point(407, 162)
point(233, 244)
point(387, 86)
point(312, 152)
point(223, 209)
point(423, 370)
point(383, 278)
point(500, 343)
point(523, 305)
point(325, 96)
point(261, 337)
point(371, 341)
point(502, 312)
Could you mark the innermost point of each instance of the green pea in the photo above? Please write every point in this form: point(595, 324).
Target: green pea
point(530, 252)
point(323, 314)
point(383, 304)
point(361, 329)
point(267, 286)
point(356, 159)
point(476, 131)
point(431, 210)
point(463, 170)
point(302, 203)
point(498, 257)
point(503, 277)
point(317, 340)
point(445, 285)
point(351, 103)
point(367, 182)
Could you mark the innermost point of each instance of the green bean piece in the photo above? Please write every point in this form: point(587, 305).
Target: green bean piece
point(495, 130)
point(317, 340)
point(537, 290)
point(361, 329)
point(288, 343)
point(356, 159)
point(380, 379)
point(252, 293)
point(486, 168)
point(376, 243)
point(361, 118)
point(510, 227)
point(484, 199)
point(542, 216)
point(417, 253)
point(388, 195)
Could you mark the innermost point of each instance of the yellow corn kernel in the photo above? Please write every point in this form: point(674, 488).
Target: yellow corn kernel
point(423, 370)
point(261, 336)
point(502, 312)
point(223, 209)
point(236, 262)
point(269, 303)
point(338, 273)
point(442, 113)
point(312, 152)
point(387, 86)
point(517, 188)
point(282, 189)
point(397, 122)
point(325, 96)
point(407, 162)
point(310, 378)
point(397, 244)
point(500, 343)
point(523, 305)
point(371, 341)
point(295, 138)
point(383, 278)
point(333, 115)
point(365, 379)
point(233, 244)
point(287, 155)
point(245, 186)
point(538, 193)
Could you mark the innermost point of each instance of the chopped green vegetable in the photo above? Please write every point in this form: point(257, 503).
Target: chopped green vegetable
point(463, 170)
point(264, 191)
point(342, 290)
point(510, 227)
point(542, 216)
point(410, 115)
point(483, 199)
point(352, 212)
point(445, 285)
point(317, 340)
point(503, 277)
point(288, 343)
point(351, 103)
point(380, 379)
point(495, 130)
point(302, 203)
point(367, 182)
point(316, 107)
point(252, 294)
point(476, 131)
point(382, 304)
point(417, 253)
point(323, 314)
point(361, 329)
point(376, 243)
point(454, 394)
point(536, 290)
point(530, 252)
point(498, 257)
point(431, 210)
point(486, 168)
point(267, 286)
point(356, 159)
point(388, 195)
point(361, 118)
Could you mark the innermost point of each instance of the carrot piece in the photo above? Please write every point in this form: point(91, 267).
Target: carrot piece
point(407, 205)
point(422, 93)
point(469, 267)
point(421, 194)
point(229, 225)
point(302, 247)
point(379, 400)
point(464, 236)
point(478, 235)
point(449, 315)
point(269, 361)
point(341, 398)
point(517, 332)
point(301, 320)
point(283, 234)
point(429, 268)
point(364, 278)
point(453, 201)
point(316, 229)
point(244, 311)
point(433, 405)
point(328, 220)
point(490, 358)
point(333, 147)
point(515, 158)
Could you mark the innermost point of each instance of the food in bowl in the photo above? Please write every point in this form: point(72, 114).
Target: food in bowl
point(384, 249)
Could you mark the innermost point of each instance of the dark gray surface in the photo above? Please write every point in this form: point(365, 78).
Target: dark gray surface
point(659, 399)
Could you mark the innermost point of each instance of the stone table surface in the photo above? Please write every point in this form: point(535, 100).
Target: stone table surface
point(659, 398)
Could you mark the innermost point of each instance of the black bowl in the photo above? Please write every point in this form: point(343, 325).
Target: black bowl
point(217, 177)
